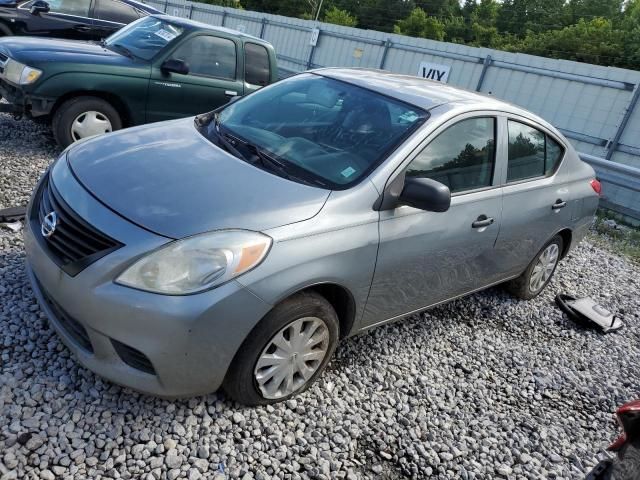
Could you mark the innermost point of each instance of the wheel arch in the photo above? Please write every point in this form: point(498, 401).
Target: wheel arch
point(5, 30)
point(340, 298)
point(114, 100)
point(567, 235)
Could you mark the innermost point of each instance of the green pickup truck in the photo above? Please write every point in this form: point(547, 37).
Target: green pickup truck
point(156, 68)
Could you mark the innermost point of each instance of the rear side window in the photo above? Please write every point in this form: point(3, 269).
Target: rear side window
point(114, 11)
point(257, 67)
point(532, 153)
point(209, 56)
point(462, 157)
point(79, 8)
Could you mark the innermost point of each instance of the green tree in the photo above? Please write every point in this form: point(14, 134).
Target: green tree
point(589, 9)
point(340, 17)
point(419, 24)
point(520, 16)
point(594, 41)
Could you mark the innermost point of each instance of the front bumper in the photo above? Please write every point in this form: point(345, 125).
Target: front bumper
point(21, 103)
point(188, 341)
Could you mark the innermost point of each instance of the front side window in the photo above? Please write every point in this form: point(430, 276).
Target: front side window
point(532, 153)
point(314, 129)
point(462, 157)
point(114, 11)
point(208, 56)
point(257, 67)
point(145, 37)
point(78, 8)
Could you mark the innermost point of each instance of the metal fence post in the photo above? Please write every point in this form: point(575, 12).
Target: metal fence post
point(613, 144)
point(387, 46)
point(190, 10)
point(224, 17)
point(166, 4)
point(485, 66)
point(263, 27)
point(313, 50)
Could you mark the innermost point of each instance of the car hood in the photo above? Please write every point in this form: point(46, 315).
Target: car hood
point(36, 51)
point(169, 179)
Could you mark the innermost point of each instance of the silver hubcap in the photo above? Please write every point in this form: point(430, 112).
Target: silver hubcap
point(88, 124)
point(544, 267)
point(291, 357)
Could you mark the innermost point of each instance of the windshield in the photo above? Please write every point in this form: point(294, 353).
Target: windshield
point(145, 37)
point(330, 130)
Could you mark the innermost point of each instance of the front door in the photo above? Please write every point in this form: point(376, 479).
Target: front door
point(535, 197)
point(425, 257)
point(213, 79)
point(65, 19)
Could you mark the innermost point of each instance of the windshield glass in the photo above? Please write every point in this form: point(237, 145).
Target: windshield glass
point(329, 130)
point(145, 37)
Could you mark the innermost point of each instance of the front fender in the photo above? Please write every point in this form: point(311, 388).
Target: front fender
point(131, 91)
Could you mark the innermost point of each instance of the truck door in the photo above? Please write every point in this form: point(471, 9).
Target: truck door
point(214, 77)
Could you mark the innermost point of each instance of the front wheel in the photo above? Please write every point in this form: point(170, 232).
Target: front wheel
point(83, 117)
point(539, 272)
point(285, 353)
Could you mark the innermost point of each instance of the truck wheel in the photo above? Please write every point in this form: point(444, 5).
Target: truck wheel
point(285, 352)
point(539, 272)
point(83, 117)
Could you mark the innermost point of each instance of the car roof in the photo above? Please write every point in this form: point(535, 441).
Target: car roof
point(142, 6)
point(192, 24)
point(420, 92)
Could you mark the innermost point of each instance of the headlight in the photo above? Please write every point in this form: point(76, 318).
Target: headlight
point(20, 74)
point(197, 263)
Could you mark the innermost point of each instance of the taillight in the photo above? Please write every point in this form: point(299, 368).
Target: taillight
point(597, 186)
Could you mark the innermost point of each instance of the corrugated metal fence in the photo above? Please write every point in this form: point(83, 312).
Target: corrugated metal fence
point(594, 106)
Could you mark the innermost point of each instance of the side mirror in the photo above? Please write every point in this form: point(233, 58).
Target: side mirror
point(425, 194)
point(38, 7)
point(175, 65)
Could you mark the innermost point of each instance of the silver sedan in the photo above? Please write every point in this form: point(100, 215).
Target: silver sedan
point(237, 248)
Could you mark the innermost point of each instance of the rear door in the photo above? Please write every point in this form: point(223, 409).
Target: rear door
point(65, 19)
point(535, 195)
point(214, 77)
point(111, 15)
point(426, 257)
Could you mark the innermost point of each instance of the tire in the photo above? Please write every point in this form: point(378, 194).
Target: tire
point(627, 465)
point(522, 287)
point(241, 382)
point(104, 116)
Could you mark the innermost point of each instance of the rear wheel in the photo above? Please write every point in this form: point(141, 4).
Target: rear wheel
point(539, 272)
point(285, 353)
point(83, 117)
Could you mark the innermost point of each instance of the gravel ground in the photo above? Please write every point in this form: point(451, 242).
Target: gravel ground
point(485, 387)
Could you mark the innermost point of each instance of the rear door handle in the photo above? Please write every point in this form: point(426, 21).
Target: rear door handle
point(81, 28)
point(559, 204)
point(231, 93)
point(482, 221)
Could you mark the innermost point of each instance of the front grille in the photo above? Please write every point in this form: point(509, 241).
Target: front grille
point(132, 357)
point(74, 244)
point(73, 328)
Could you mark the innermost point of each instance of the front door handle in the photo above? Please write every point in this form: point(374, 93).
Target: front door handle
point(81, 28)
point(559, 204)
point(231, 93)
point(482, 221)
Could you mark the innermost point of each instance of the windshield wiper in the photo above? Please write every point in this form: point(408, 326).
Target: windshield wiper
point(124, 50)
point(270, 162)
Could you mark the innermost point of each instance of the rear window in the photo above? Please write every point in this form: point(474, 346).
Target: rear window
point(257, 67)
